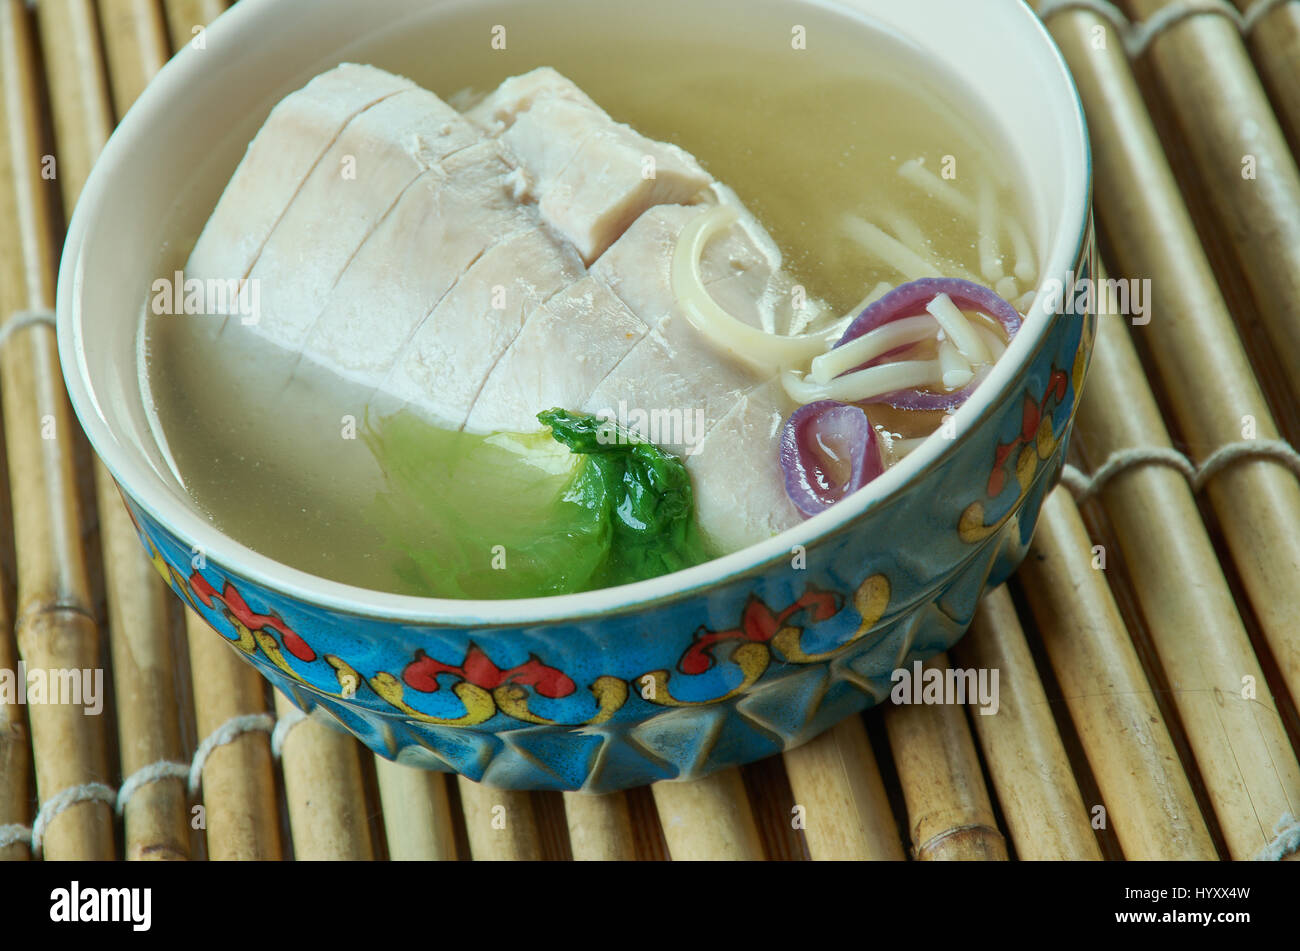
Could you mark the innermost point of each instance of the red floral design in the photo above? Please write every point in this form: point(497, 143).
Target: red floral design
point(1033, 416)
point(235, 604)
point(758, 623)
point(422, 674)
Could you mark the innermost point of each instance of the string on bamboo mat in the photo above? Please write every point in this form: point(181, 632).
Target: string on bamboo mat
point(24, 318)
point(1083, 486)
point(191, 772)
point(1140, 35)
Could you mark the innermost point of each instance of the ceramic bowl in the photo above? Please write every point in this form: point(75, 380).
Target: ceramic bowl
point(670, 678)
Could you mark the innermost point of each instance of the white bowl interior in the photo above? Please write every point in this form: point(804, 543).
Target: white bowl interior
point(177, 147)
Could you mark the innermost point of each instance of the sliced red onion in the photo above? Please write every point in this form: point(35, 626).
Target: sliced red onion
point(911, 300)
point(828, 451)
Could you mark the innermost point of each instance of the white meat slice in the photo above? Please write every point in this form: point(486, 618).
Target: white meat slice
point(440, 226)
point(740, 496)
point(297, 133)
point(355, 185)
point(591, 176)
point(499, 109)
point(568, 346)
point(446, 362)
point(672, 374)
point(738, 272)
point(615, 176)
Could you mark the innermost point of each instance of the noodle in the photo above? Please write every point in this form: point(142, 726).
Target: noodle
point(763, 351)
point(891, 336)
point(865, 384)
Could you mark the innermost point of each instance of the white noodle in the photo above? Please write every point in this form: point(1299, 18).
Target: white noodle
point(904, 228)
point(958, 329)
point(1026, 268)
point(889, 249)
point(1026, 302)
point(1007, 288)
point(909, 262)
point(865, 384)
point(990, 259)
point(957, 371)
point(923, 178)
point(763, 351)
point(992, 341)
point(898, 333)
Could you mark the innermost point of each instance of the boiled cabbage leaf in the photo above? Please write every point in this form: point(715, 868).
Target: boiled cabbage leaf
point(584, 505)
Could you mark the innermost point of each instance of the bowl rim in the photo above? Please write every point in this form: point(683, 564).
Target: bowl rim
point(234, 558)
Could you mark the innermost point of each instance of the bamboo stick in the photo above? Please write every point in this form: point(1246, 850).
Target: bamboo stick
point(499, 823)
point(1147, 795)
point(948, 808)
point(324, 790)
point(135, 46)
point(708, 819)
point(1218, 686)
point(15, 742)
point(834, 777)
point(145, 668)
point(79, 97)
point(600, 827)
point(1275, 45)
point(1192, 338)
point(185, 17)
point(140, 633)
point(239, 799)
point(1210, 87)
point(55, 624)
point(1031, 773)
point(417, 812)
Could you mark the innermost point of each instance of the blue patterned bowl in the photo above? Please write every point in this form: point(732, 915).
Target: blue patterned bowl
point(665, 679)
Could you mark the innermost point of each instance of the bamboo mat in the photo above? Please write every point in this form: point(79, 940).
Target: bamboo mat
point(1148, 650)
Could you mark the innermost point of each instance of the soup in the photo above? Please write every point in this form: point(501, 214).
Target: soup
point(864, 166)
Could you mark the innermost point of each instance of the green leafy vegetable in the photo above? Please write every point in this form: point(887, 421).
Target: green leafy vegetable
point(511, 515)
point(643, 492)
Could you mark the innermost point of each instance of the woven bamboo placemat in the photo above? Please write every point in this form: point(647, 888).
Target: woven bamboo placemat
point(1148, 650)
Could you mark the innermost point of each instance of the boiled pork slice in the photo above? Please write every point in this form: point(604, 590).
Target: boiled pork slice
point(591, 176)
point(460, 209)
point(290, 144)
point(385, 151)
point(446, 361)
point(734, 510)
point(564, 350)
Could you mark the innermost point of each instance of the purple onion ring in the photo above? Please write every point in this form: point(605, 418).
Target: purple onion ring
point(911, 300)
point(828, 451)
